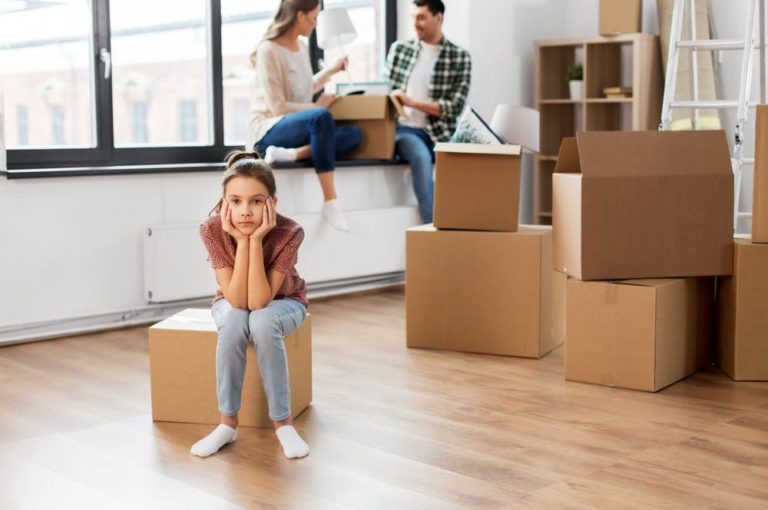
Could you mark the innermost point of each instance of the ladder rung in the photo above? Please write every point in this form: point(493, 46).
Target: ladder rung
point(713, 44)
point(712, 103)
point(744, 215)
point(704, 104)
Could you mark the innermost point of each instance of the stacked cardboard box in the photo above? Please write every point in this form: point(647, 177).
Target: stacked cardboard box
point(474, 281)
point(642, 223)
point(742, 300)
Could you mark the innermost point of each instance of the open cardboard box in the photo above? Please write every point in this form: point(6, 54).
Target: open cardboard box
point(643, 204)
point(477, 186)
point(760, 184)
point(375, 116)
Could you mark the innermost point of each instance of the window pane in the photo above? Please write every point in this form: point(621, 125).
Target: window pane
point(367, 52)
point(243, 23)
point(45, 69)
point(160, 60)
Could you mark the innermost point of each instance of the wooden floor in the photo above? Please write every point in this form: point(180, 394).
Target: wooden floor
point(389, 428)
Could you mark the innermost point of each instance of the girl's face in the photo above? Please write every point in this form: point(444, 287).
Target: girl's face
point(246, 197)
point(307, 21)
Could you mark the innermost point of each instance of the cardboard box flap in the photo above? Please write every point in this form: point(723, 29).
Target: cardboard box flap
point(478, 148)
point(568, 157)
point(361, 107)
point(196, 319)
point(653, 153)
point(647, 282)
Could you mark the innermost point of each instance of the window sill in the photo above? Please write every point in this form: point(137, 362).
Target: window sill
point(89, 171)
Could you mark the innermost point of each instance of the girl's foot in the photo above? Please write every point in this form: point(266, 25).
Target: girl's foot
point(212, 443)
point(293, 445)
point(334, 215)
point(275, 154)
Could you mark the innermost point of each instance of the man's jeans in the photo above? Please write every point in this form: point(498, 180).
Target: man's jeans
point(415, 147)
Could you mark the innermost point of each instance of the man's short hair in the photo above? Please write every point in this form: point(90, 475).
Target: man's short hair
point(434, 6)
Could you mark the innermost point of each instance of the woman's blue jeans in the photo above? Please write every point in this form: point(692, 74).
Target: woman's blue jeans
point(266, 329)
point(314, 127)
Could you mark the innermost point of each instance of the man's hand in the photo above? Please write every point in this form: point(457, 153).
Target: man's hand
point(402, 97)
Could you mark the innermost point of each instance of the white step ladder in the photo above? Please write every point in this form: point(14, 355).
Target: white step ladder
point(742, 105)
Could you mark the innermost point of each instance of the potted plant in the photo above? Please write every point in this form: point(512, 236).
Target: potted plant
point(575, 77)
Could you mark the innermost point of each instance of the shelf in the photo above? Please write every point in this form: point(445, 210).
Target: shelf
point(604, 100)
point(545, 214)
point(544, 157)
point(560, 101)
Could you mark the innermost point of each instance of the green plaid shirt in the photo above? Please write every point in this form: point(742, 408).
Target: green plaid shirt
point(449, 86)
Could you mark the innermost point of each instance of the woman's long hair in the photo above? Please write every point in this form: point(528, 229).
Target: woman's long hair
point(246, 164)
point(284, 19)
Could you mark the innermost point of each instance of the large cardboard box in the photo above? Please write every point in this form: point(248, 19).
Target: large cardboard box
point(483, 292)
point(620, 17)
point(477, 186)
point(638, 334)
point(643, 204)
point(182, 363)
point(742, 314)
point(760, 187)
point(375, 116)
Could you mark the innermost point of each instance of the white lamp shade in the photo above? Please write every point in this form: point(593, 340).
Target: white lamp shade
point(517, 125)
point(334, 28)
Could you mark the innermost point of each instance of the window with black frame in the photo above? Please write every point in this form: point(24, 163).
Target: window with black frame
point(141, 85)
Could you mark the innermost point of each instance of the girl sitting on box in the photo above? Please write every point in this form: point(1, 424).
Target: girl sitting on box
point(260, 299)
point(286, 125)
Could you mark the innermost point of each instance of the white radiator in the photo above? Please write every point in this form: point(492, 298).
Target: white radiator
point(175, 265)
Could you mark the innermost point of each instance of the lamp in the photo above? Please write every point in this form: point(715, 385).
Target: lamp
point(518, 125)
point(334, 28)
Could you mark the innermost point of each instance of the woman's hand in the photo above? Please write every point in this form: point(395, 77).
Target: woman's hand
point(340, 65)
point(226, 222)
point(326, 100)
point(268, 221)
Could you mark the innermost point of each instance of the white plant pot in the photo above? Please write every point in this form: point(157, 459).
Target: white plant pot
point(576, 89)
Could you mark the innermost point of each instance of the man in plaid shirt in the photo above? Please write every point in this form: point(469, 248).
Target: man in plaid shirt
point(430, 76)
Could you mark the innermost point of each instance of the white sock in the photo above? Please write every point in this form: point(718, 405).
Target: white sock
point(274, 153)
point(212, 443)
point(293, 445)
point(335, 216)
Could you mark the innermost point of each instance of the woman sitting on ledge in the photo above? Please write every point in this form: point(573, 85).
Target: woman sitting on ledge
point(286, 125)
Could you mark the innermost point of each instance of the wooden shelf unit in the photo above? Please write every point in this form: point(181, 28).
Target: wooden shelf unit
point(632, 60)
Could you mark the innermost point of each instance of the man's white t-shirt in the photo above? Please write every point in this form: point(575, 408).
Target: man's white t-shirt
point(418, 84)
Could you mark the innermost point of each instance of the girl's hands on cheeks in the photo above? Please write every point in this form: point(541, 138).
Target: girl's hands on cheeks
point(226, 222)
point(268, 221)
